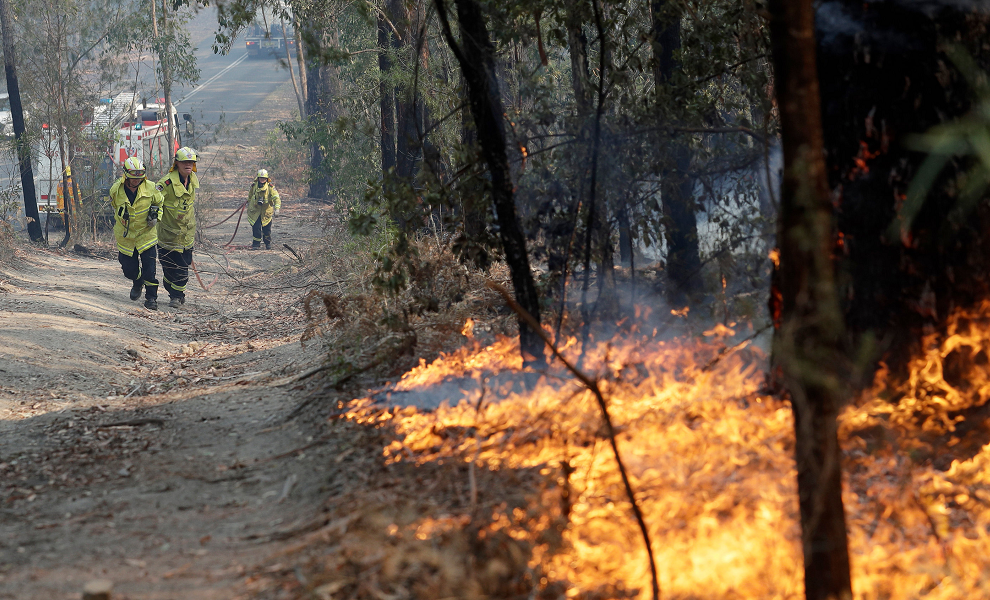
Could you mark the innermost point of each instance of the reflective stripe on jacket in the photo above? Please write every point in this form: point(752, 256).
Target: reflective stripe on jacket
point(177, 224)
point(270, 202)
point(131, 227)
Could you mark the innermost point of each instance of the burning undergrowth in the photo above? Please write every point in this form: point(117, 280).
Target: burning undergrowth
point(501, 483)
point(513, 491)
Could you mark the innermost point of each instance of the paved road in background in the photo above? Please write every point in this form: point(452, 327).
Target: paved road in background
point(231, 86)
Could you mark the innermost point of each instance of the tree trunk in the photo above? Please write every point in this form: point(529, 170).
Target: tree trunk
point(407, 146)
point(324, 87)
point(476, 55)
point(806, 348)
point(387, 41)
point(163, 58)
point(625, 235)
point(577, 45)
point(677, 189)
point(900, 280)
point(17, 112)
point(292, 73)
point(301, 63)
point(386, 97)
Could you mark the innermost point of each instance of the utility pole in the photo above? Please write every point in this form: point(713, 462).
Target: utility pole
point(17, 111)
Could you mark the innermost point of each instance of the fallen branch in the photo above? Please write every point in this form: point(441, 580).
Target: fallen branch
point(136, 422)
point(294, 253)
point(592, 386)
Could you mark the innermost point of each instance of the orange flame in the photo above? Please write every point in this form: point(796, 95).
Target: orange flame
point(711, 459)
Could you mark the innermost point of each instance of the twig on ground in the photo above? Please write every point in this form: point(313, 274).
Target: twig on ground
point(287, 488)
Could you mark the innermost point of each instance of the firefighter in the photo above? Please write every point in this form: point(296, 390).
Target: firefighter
point(177, 229)
point(136, 203)
point(263, 204)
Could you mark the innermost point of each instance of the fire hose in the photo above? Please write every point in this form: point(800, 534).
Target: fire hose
point(239, 209)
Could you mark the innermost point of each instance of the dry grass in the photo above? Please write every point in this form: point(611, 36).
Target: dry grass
point(351, 317)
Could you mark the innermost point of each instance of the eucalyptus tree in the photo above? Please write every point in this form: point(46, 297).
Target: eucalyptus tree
point(808, 341)
point(65, 65)
point(643, 112)
point(22, 145)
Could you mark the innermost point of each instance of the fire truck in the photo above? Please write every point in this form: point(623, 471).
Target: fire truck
point(145, 135)
point(126, 125)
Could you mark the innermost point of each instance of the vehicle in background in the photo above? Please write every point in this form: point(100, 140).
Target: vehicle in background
point(146, 136)
point(6, 117)
point(118, 128)
point(262, 42)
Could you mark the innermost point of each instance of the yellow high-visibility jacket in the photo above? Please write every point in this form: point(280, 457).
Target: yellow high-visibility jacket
point(131, 220)
point(177, 225)
point(270, 202)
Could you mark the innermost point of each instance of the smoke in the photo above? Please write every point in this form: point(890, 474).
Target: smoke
point(883, 24)
point(932, 8)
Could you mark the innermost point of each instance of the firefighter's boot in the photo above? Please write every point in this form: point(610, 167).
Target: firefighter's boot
point(151, 303)
point(175, 302)
point(256, 245)
point(136, 289)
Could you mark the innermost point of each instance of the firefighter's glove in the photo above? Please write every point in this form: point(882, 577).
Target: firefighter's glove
point(152, 216)
point(276, 212)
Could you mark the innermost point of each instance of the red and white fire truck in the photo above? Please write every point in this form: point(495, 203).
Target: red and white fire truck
point(126, 125)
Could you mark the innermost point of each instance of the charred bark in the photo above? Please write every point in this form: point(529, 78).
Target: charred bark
point(17, 112)
point(807, 356)
point(677, 190)
point(476, 55)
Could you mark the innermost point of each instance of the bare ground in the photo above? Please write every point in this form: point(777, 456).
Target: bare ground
point(151, 448)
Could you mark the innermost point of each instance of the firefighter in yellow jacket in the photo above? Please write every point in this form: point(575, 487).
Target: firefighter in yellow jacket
point(177, 229)
point(136, 203)
point(263, 204)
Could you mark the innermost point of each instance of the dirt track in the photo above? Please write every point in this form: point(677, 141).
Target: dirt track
point(150, 448)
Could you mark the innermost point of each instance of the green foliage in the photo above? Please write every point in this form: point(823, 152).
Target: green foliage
point(716, 104)
point(966, 139)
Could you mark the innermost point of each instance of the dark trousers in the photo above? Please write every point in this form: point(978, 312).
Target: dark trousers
point(259, 233)
point(175, 271)
point(141, 267)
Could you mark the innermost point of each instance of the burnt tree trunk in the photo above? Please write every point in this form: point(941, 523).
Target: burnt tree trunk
point(17, 112)
point(807, 342)
point(677, 190)
point(476, 55)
